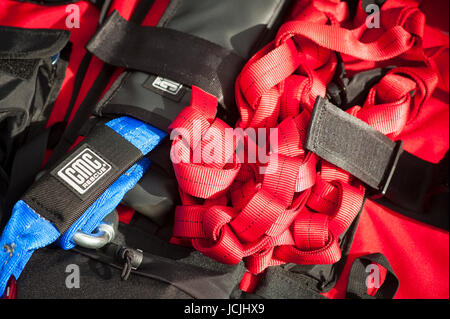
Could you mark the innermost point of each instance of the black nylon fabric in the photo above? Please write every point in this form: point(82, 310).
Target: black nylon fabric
point(97, 3)
point(131, 94)
point(29, 84)
point(45, 278)
point(154, 195)
point(357, 288)
point(279, 283)
point(188, 30)
point(242, 31)
point(424, 195)
point(24, 170)
point(22, 43)
point(170, 271)
point(192, 275)
point(27, 79)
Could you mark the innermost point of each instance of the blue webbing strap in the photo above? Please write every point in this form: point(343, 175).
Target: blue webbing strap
point(105, 204)
point(26, 231)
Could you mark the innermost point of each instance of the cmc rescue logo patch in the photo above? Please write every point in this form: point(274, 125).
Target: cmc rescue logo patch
point(83, 171)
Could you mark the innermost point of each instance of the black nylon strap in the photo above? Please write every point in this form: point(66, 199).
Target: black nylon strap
point(419, 190)
point(417, 183)
point(357, 288)
point(82, 115)
point(168, 53)
point(54, 195)
point(352, 145)
point(413, 187)
point(78, 81)
point(27, 163)
point(85, 109)
point(83, 67)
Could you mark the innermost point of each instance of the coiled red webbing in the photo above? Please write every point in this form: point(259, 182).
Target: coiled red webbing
point(295, 211)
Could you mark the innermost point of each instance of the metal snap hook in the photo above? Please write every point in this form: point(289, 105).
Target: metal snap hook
point(101, 236)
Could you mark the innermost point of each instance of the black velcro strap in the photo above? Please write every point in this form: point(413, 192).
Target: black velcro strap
point(352, 145)
point(63, 194)
point(21, 48)
point(412, 186)
point(20, 43)
point(171, 54)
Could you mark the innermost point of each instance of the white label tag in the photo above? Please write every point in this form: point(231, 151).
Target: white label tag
point(166, 85)
point(84, 171)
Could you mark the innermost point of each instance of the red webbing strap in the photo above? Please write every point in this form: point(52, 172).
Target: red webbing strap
point(292, 206)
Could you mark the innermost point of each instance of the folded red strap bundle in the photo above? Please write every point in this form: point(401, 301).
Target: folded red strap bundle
point(289, 206)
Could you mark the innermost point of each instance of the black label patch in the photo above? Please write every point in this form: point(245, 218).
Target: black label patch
point(165, 87)
point(82, 170)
